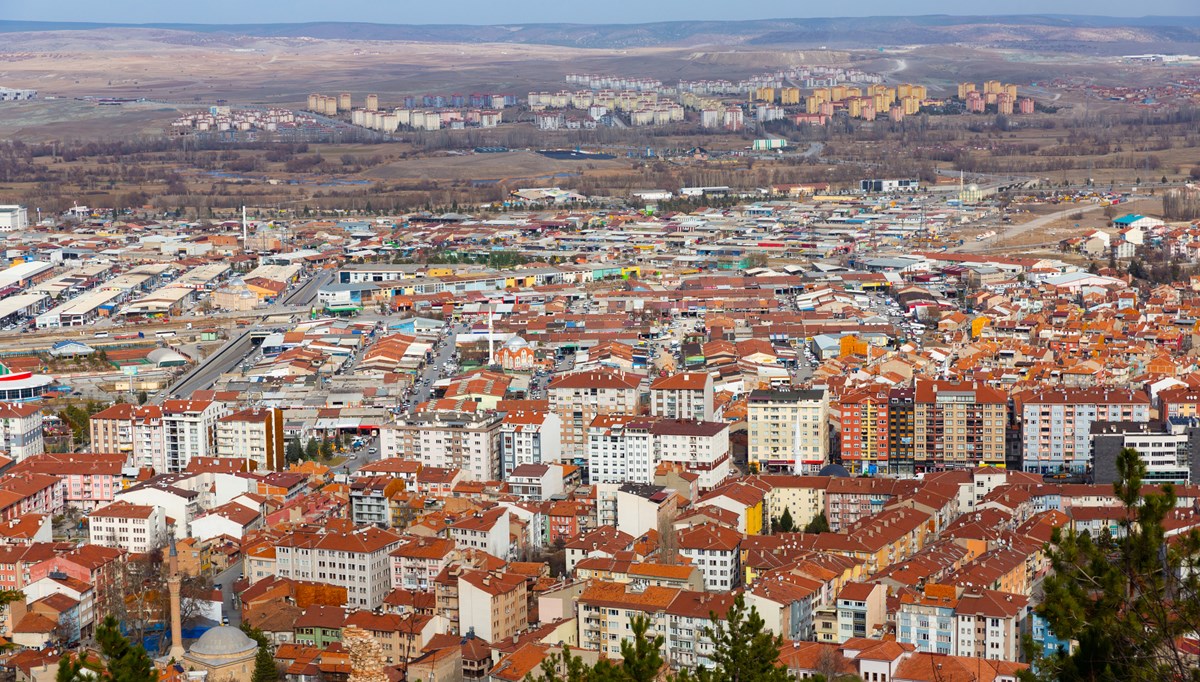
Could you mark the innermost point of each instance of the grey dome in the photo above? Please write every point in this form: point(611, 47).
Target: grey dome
point(223, 641)
point(516, 343)
point(834, 470)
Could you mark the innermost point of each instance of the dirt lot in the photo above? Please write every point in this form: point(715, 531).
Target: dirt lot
point(503, 167)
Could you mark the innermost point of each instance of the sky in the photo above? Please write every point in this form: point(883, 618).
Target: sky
point(546, 11)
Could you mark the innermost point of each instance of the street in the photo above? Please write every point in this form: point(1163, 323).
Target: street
point(226, 579)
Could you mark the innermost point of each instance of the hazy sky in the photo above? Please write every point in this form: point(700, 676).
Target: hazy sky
point(529, 11)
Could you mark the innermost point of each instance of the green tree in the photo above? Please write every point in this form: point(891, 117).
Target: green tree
point(69, 669)
point(295, 453)
point(820, 524)
point(561, 667)
point(743, 651)
point(326, 448)
point(125, 662)
point(786, 523)
point(1128, 600)
point(641, 658)
point(265, 669)
point(255, 634)
point(311, 449)
point(142, 397)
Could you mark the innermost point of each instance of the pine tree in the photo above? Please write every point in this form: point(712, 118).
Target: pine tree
point(820, 524)
point(786, 523)
point(295, 453)
point(743, 650)
point(311, 449)
point(125, 662)
point(264, 666)
point(1126, 601)
point(69, 669)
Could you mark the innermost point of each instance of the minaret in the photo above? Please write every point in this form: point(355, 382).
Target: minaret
point(245, 230)
point(176, 615)
point(491, 341)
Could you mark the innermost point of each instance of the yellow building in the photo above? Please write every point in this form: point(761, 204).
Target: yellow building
point(964, 88)
point(789, 96)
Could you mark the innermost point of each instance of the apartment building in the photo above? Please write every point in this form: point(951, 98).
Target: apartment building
point(950, 620)
point(137, 528)
point(486, 530)
point(788, 430)
point(699, 447)
point(1056, 424)
point(623, 448)
point(861, 610)
point(341, 554)
point(715, 549)
point(619, 448)
point(902, 445)
point(687, 395)
point(579, 397)
point(607, 609)
point(416, 563)
point(529, 437)
point(254, 436)
point(190, 430)
point(20, 430)
point(494, 605)
point(134, 431)
point(864, 422)
point(89, 480)
point(958, 425)
point(450, 439)
point(1169, 450)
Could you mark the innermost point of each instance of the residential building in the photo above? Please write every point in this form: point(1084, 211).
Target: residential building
point(699, 447)
point(861, 610)
point(20, 430)
point(254, 436)
point(958, 425)
point(529, 437)
point(864, 430)
point(1056, 433)
point(469, 441)
point(134, 431)
point(136, 528)
point(492, 604)
point(687, 395)
point(716, 550)
point(1169, 450)
point(485, 530)
point(579, 397)
point(190, 428)
point(343, 555)
point(788, 430)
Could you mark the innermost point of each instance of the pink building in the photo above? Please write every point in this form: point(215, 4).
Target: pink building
point(89, 480)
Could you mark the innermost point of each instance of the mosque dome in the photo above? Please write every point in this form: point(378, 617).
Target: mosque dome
point(516, 343)
point(223, 642)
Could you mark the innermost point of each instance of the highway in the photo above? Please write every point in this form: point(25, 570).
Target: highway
point(307, 293)
point(205, 374)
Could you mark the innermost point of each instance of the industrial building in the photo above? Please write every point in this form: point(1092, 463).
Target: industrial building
point(13, 218)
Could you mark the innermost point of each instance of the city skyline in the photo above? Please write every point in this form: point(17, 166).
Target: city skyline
point(543, 11)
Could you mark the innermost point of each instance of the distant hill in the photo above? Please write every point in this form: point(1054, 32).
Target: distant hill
point(845, 32)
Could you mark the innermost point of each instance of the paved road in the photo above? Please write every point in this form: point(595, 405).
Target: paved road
point(226, 579)
point(204, 374)
point(433, 369)
point(307, 292)
point(1014, 231)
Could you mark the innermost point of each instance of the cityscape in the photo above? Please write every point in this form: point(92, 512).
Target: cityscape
point(857, 349)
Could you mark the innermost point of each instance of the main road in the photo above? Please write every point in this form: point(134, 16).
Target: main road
point(1014, 231)
point(206, 372)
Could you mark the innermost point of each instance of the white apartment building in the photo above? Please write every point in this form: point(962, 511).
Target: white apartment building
point(468, 441)
point(342, 555)
point(715, 549)
point(579, 397)
point(788, 430)
point(687, 395)
point(138, 528)
point(620, 449)
point(254, 436)
point(190, 428)
point(20, 431)
point(486, 530)
point(701, 447)
point(529, 437)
